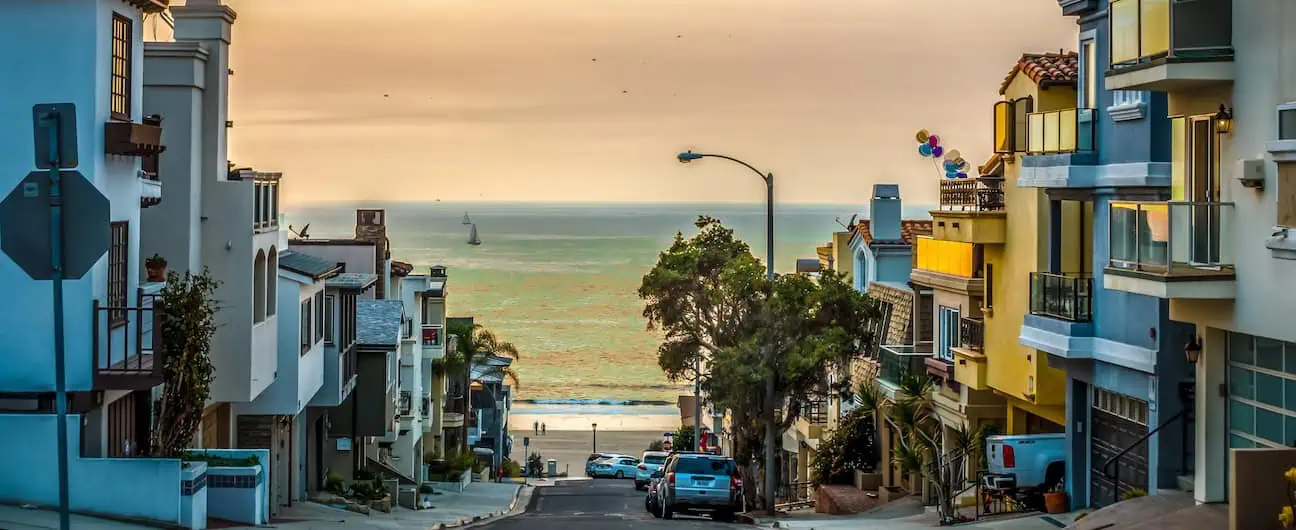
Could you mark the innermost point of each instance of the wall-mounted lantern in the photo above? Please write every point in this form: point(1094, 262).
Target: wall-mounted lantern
point(1224, 120)
point(1193, 350)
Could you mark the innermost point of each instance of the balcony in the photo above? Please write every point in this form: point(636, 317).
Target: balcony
point(406, 403)
point(1059, 296)
point(949, 265)
point(971, 211)
point(1167, 45)
point(969, 355)
point(124, 138)
point(895, 361)
point(266, 209)
point(1062, 131)
point(1170, 250)
point(126, 345)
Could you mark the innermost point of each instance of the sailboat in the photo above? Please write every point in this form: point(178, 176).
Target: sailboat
point(472, 236)
point(466, 220)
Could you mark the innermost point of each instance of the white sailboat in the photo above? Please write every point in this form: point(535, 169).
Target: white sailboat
point(466, 220)
point(472, 236)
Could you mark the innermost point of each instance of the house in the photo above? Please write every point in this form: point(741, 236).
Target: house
point(1218, 247)
point(881, 246)
point(112, 350)
point(491, 398)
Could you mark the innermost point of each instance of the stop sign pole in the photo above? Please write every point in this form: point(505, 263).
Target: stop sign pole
point(52, 120)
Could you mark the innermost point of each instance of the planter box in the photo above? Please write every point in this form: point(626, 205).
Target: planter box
point(891, 493)
point(868, 481)
point(193, 495)
point(240, 494)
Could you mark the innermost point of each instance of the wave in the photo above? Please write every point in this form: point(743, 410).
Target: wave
point(595, 402)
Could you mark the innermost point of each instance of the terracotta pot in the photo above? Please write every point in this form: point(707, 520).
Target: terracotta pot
point(156, 274)
point(1055, 502)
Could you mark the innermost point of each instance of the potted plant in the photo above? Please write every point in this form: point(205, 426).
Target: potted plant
point(156, 267)
point(1055, 500)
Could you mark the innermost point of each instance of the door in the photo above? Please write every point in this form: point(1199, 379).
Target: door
point(949, 332)
point(1118, 422)
point(122, 432)
point(1203, 190)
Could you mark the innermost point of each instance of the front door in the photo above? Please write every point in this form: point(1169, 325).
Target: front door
point(1203, 191)
point(1119, 422)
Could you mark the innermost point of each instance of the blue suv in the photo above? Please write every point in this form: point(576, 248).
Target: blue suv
point(695, 483)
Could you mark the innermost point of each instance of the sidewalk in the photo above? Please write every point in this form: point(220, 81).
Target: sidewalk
point(480, 500)
point(907, 514)
point(16, 518)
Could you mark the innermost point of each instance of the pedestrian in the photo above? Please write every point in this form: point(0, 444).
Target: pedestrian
point(543, 430)
point(501, 474)
point(536, 426)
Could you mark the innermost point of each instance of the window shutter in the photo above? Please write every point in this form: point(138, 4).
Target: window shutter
point(1003, 121)
point(1022, 107)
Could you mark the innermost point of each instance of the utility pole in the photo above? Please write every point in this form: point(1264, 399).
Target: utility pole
point(771, 434)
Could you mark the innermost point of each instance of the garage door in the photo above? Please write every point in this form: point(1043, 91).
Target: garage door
point(1118, 422)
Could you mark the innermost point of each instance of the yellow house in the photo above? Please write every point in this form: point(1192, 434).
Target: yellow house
point(1002, 219)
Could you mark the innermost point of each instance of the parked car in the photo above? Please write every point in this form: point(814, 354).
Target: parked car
point(699, 483)
point(616, 467)
point(589, 462)
point(1026, 461)
point(652, 461)
point(651, 500)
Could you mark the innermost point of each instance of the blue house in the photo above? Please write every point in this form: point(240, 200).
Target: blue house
point(1124, 357)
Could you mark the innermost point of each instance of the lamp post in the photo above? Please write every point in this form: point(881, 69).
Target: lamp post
point(770, 435)
point(594, 444)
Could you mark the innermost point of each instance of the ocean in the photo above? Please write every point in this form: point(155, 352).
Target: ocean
point(559, 281)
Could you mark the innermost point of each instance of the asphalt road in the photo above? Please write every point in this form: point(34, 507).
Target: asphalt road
point(596, 505)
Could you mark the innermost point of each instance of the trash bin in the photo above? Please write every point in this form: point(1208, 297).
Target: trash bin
point(553, 467)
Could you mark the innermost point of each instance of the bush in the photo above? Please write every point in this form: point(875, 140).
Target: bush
point(851, 446)
point(1133, 493)
point(462, 462)
point(535, 465)
point(656, 445)
point(512, 469)
point(333, 483)
point(683, 440)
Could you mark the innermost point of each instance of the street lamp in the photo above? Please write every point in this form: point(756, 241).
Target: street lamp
point(594, 449)
point(770, 436)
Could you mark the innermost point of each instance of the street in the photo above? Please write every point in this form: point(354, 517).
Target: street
point(594, 504)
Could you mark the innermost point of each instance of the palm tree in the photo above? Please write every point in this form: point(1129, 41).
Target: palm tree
point(474, 347)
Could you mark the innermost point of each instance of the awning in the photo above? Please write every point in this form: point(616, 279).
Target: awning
point(483, 451)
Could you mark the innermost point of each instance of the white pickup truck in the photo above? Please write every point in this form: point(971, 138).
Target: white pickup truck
point(1026, 461)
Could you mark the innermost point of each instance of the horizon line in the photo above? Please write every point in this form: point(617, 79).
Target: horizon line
point(573, 202)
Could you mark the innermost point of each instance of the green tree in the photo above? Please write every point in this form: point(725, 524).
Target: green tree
point(851, 446)
point(683, 439)
point(474, 346)
point(186, 310)
point(711, 302)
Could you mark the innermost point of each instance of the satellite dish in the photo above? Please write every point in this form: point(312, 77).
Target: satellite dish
point(843, 225)
point(853, 221)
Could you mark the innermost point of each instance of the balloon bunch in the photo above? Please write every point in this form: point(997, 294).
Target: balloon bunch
point(953, 164)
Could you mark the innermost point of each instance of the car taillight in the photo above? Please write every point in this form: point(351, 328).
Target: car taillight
point(643, 467)
point(670, 478)
point(1009, 459)
point(735, 483)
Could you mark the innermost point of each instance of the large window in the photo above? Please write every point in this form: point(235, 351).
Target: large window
point(123, 36)
point(949, 332)
point(1262, 392)
point(118, 266)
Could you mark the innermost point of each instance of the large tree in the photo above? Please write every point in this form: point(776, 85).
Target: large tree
point(710, 300)
point(186, 311)
point(475, 346)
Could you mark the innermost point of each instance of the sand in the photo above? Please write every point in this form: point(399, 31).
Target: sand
point(571, 448)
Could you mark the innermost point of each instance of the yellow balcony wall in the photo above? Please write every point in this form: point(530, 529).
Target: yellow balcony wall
point(947, 257)
point(970, 369)
point(975, 227)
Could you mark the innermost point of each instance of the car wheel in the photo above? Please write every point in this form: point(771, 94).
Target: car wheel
point(620, 475)
point(666, 512)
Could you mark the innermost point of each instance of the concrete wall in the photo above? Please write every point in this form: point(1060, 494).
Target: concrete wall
point(1259, 490)
point(303, 374)
point(69, 65)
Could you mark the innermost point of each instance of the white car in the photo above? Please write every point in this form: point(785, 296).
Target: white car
point(615, 467)
point(652, 461)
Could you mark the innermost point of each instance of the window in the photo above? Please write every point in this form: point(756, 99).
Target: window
point(949, 332)
point(989, 286)
point(1262, 391)
point(1287, 195)
point(1287, 121)
point(329, 320)
point(319, 316)
point(1088, 78)
point(123, 37)
point(1010, 117)
point(305, 337)
point(118, 266)
point(1022, 108)
point(432, 336)
point(882, 327)
point(1135, 410)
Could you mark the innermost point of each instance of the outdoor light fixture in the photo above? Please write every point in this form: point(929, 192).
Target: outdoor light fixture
point(1224, 120)
point(1193, 350)
point(688, 156)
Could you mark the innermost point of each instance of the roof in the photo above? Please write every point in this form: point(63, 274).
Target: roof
point(993, 167)
point(886, 191)
point(436, 288)
point(1045, 69)
point(325, 242)
point(909, 230)
point(400, 268)
point(378, 322)
point(352, 280)
point(316, 268)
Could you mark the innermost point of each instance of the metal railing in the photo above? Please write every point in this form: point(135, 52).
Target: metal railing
point(795, 493)
point(406, 403)
point(896, 361)
point(126, 338)
point(982, 194)
point(1169, 237)
point(816, 412)
point(349, 369)
point(1145, 30)
point(1062, 296)
point(972, 333)
point(1060, 131)
point(1114, 475)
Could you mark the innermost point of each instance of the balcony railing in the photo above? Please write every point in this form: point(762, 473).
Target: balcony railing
point(406, 404)
point(127, 344)
point(1175, 237)
point(983, 194)
point(896, 361)
point(972, 333)
point(1060, 131)
point(1062, 296)
point(1147, 30)
point(816, 412)
point(955, 258)
point(349, 370)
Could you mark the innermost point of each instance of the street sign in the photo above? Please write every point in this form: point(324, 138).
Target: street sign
point(25, 225)
point(65, 113)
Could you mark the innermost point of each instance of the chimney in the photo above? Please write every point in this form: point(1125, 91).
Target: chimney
point(885, 212)
point(438, 272)
point(371, 225)
point(210, 23)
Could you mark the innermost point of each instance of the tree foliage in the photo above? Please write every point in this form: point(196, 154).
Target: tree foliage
point(710, 300)
point(684, 439)
point(474, 346)
point(851, 446)
point(186, 310)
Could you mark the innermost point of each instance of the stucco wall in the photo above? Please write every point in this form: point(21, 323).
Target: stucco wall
point(302, 374)
point(174, 83)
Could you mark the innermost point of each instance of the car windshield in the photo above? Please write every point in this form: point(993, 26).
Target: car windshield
point(654, 459)
point(706, 466)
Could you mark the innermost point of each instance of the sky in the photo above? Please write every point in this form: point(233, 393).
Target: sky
point(590, 100)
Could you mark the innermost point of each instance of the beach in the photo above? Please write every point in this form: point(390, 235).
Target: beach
point(569, 436)
point(571, 448)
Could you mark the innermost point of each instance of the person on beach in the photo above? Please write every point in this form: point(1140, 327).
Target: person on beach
point(536, 426)
point(543, 431)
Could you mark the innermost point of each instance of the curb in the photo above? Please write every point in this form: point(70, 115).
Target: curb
point(484, 517)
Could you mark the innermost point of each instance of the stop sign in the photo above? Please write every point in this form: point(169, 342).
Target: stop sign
point(25, 225)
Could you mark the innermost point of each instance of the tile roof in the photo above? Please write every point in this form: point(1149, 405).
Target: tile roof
point(1045, 69)
point(378, 322)
point(352, 280)
point(909, 229)
point(993, 167)
point(400, 268)
point(316, 268)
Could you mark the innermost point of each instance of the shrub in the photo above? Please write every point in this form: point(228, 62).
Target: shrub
point(656, 445)
point(683, 440)
point(1133, 493)
point(512, 469)
point(851, 446)
point(333, 483)
point(535, 465)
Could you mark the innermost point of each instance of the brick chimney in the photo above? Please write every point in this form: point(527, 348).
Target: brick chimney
point(371, 225)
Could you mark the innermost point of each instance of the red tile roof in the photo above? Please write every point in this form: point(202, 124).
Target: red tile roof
point(1045, 69)
point(909, 229)
point(400, 268)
